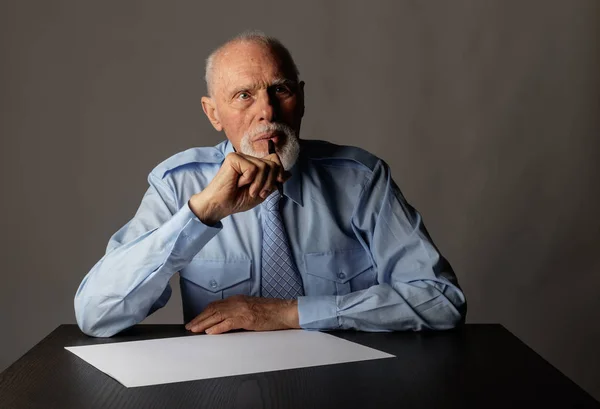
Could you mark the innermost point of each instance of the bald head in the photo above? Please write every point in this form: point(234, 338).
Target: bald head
point(255, 96)
point(238, 46)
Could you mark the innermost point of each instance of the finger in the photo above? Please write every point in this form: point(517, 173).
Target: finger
point(208, 322)
point(273, 157)
point(261, 176)
point(200, 317)
point(271, 182)
point(245, 168)
point(224, 326)
point(280, 170)
point(208, 312)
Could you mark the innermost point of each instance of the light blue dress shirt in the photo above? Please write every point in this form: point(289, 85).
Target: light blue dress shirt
point(364, 255)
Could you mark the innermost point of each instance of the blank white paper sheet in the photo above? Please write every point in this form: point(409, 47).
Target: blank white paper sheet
point(167, 360)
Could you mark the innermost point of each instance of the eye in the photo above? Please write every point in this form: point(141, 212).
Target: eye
point(243, 96)
point(282, 89)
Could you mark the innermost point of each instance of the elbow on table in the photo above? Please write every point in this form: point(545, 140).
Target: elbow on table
point(94, 327)
point(96, 331)
point(447, 314)
point(98, 322)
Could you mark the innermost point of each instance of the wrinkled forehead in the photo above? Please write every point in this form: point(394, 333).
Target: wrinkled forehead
point(248, 63)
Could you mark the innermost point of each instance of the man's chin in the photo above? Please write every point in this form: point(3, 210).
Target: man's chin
point(286, 147)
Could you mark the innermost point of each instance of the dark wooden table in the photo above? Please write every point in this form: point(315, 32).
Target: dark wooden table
point(476, 366)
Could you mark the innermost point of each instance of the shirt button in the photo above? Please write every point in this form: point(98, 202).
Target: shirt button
point(213, 283)
point(341, 275)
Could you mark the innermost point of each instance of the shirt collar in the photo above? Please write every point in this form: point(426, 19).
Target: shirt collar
point(293, 187)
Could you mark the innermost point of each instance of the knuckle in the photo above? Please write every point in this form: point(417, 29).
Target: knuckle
point(223, 326)
point(252, 319)
point(252, 171)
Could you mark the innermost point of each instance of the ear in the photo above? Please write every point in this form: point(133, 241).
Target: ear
point(301, 94)
point(210, 109)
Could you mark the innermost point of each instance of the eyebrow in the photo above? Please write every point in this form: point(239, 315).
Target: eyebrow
point(283, 81)
point(274, 83)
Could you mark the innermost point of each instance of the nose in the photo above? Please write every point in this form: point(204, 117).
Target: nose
point(268, 108)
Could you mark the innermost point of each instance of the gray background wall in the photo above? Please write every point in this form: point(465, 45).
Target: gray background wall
point(487, 112)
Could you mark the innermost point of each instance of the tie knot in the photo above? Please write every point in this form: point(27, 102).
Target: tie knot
point(271, 203)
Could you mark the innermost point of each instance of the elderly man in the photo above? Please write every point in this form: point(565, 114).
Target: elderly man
point(268, 231)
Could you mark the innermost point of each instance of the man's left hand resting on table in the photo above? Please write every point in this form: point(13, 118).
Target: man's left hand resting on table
point(249, 313)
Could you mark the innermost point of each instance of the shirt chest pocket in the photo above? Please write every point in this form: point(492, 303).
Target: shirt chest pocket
point(338, 272)
point(205, 281)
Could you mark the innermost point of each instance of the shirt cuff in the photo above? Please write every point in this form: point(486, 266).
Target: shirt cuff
point(318, 312)
point(192, 233)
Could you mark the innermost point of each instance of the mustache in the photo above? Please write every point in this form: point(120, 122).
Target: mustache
point(274, 127)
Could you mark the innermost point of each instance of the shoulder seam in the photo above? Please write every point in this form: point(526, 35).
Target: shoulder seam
point(360, 166)
point(326, 151)
point(188, 157)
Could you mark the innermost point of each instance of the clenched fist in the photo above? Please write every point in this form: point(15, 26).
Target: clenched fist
point(241, 183)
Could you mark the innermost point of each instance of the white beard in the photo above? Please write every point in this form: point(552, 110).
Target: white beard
point(288, 152)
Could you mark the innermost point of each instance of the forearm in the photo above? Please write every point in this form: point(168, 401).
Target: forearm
point(415, 286)
point(122, 287)
point(415, 306)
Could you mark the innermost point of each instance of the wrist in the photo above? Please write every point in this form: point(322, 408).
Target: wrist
point(290, 314)
point(206, 210)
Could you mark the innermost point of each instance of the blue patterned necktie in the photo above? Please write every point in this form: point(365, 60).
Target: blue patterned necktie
point(280, 277)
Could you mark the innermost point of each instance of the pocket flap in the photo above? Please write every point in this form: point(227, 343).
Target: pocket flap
point(339, 266)
point(217, 275)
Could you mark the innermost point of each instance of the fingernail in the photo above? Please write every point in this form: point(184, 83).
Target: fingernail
point(208, 331)
point(264, 193)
